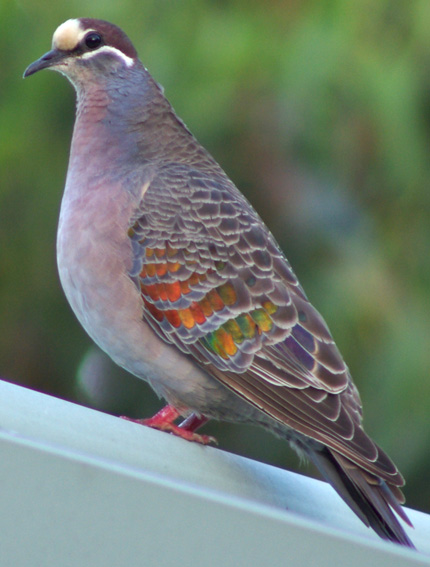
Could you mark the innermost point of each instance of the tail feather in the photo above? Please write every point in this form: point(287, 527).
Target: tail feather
point(373, 500)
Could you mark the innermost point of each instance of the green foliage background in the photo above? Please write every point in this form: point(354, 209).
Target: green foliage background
point(320, 112)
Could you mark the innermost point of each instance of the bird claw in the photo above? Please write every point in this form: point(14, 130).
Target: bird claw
point(163, 421)
point(183, 433)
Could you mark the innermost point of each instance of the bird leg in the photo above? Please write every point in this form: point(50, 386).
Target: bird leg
point(193, 422)
point(163, 421)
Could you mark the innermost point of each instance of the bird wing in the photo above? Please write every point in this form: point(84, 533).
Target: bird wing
point(215, 283)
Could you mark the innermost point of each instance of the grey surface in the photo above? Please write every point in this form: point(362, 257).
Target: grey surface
point(83, 488)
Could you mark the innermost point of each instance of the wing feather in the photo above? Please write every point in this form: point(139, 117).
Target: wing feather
point(215, 284)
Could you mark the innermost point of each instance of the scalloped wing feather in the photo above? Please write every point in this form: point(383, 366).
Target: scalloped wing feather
point(215, 284)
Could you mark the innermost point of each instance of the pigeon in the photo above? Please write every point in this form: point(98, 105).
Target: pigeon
point(172, 272)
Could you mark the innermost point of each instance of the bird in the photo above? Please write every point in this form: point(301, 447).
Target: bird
point(172, 272)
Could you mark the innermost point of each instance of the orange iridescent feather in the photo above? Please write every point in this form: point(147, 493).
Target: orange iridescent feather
point(223, 341)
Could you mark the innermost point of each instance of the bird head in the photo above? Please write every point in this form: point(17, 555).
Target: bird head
point(86, 47)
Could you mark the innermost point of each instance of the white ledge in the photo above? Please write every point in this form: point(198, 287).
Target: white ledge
point(82, 488)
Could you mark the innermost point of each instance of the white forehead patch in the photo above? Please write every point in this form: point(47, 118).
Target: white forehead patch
point(67, 36)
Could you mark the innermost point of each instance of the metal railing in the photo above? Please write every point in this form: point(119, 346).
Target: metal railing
point(82, 488)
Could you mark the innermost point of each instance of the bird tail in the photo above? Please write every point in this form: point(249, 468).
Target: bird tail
point(371, 498)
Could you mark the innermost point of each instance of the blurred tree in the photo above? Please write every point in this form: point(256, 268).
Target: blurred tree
point(319, 111)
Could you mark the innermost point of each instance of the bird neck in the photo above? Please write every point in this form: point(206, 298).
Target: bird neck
point(126, 122)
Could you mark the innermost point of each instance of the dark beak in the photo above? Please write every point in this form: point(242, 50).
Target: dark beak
point(50, 59)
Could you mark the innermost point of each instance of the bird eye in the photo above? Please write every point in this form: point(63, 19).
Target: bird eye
point(93, 40)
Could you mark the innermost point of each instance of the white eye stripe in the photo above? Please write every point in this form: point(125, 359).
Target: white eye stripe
point(109, 49)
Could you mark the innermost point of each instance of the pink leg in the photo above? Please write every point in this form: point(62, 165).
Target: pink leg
point(163, 420)
point(193, 422)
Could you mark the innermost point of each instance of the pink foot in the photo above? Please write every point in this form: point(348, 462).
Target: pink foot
point(163, 420)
